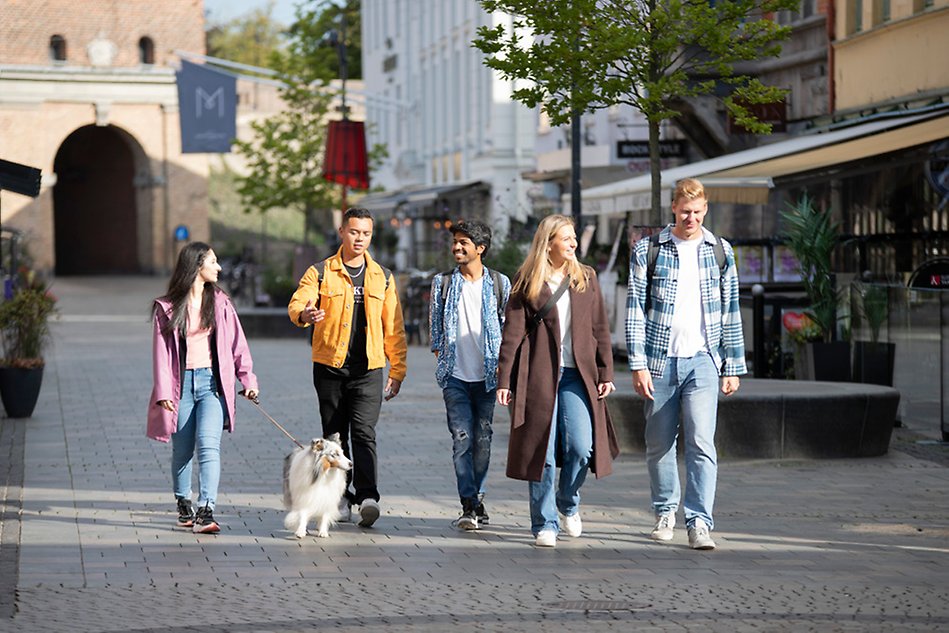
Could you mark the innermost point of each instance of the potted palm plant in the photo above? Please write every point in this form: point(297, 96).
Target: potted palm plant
point(873, 360)
point(24, 332)
point(812, 236)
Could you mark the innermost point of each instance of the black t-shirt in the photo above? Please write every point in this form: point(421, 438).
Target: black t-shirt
point(356, 360)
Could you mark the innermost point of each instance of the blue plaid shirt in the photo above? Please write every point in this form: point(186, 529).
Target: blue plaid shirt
point(647, 336)
point(443, 325)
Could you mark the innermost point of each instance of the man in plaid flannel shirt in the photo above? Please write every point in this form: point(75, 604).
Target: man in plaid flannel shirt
point(680, 342)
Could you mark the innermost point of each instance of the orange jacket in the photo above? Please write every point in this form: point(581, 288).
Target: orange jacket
point(385, 331)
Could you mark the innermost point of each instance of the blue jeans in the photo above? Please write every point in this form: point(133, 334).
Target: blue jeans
point(689, 386)
point(571, 437)
point(470, 414)
point(201, 423)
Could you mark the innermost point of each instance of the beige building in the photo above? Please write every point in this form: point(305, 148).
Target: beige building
point(88, 95)
point(890, 52)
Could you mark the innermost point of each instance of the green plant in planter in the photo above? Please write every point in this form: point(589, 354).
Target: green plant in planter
point(24, 322)
point(812, 237)
point(874, 307)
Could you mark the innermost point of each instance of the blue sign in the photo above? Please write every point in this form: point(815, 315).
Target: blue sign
point(181, 233)
point(207, 107)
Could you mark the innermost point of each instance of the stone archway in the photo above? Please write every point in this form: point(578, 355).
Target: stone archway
point(95, 203)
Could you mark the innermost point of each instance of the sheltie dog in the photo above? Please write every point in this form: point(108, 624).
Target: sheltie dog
point(314, 480)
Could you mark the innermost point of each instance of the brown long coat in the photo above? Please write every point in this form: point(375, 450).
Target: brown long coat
point(530, 369)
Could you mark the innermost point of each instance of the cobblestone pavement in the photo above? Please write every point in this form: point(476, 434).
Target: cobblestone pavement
point(87, 541)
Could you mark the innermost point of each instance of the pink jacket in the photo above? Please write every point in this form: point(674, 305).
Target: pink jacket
point(231, 352)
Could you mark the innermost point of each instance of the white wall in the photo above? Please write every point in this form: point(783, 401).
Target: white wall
point(447, 117)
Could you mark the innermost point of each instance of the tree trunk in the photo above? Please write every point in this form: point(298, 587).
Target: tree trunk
point(655, 170)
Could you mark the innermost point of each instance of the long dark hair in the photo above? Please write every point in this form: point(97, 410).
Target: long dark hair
point(190, 260)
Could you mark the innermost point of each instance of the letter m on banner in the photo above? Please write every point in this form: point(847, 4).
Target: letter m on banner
point(207, 106)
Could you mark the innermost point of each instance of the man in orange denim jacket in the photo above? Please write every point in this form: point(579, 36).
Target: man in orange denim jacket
point(352, 304)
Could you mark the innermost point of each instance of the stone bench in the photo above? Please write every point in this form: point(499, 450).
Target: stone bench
point(780, 419)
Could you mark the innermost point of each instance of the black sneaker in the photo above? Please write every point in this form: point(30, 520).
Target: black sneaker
point(482, 514)
point(204, 522)
point(468, 519)
point(185, 513)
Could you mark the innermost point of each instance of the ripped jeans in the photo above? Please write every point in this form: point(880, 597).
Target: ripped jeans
point(470, 414)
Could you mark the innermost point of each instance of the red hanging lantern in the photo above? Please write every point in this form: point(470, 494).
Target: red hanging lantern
point(345, 159)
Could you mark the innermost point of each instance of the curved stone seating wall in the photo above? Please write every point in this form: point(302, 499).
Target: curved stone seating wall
point(780, 419)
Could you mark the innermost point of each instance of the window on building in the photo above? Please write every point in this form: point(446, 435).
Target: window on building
point(146, 51)
point(885, 11)
point(57, 48)
point(858, 16)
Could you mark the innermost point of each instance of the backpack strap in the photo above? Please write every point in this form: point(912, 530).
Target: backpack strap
point(652, 255)
point(498, 293)
point(320, 267)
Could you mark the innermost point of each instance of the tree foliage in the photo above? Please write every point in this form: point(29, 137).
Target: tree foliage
point(249, 39)
point(649, 54)
point(312, 33)
point(285, 155)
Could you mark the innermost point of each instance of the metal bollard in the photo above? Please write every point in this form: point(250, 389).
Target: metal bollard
point(757, 311)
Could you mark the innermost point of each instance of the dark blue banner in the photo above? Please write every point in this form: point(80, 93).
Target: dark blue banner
point(207, 105)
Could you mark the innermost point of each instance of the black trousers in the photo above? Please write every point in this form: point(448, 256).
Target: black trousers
point(350, 405)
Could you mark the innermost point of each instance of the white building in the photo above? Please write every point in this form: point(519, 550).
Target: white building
point(457, 142)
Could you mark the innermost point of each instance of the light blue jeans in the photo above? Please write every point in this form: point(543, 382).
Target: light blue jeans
point(571, 437)
point(200, 423)
point(470, 415)
point(689, 386)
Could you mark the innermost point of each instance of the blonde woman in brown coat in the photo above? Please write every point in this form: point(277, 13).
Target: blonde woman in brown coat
point(555, 375)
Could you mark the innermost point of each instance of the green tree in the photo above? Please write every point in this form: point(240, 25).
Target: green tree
point(316, 21)
point(249, 39)
point(590, 54)
point(285, 156)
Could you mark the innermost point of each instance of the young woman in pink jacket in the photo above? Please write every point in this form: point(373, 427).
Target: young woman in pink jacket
point(199, 353)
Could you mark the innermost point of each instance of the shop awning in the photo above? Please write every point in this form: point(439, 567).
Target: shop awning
point(417, 196)
point(884, 142)
point(747, 177)
point(430, 194)
point(382, 201)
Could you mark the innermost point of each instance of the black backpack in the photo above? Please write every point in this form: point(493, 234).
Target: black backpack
point(498, 293)
point(653, 254)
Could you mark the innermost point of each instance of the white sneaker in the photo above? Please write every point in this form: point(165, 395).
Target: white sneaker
point(546, 538)
point(345, 512)
point(699, 537)
point(572, 524)
point(664, 524)
point(368, 512)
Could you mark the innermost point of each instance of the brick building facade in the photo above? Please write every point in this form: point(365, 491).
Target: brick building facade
point(88, 95)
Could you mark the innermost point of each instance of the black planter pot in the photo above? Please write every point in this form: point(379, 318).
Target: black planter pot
point(873, 362)
point(823, 361)
point(19, 390)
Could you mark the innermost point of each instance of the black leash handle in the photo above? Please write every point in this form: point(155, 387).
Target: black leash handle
point(256, 401)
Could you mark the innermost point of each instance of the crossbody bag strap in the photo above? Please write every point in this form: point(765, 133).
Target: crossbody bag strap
point(554, 298)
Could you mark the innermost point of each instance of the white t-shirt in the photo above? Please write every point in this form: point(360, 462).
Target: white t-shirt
point(687, 336)
point(563, 315)
point(469, 357)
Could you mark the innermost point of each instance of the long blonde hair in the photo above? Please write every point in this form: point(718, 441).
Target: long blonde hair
point(537, 269)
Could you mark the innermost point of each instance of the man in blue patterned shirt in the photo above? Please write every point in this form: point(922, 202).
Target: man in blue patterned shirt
point(465, 319)
point(680, 341)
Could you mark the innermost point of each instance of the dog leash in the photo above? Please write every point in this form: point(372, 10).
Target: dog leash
point(256, 402)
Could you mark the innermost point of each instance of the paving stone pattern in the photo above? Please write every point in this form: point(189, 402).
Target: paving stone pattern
point(841, 545)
